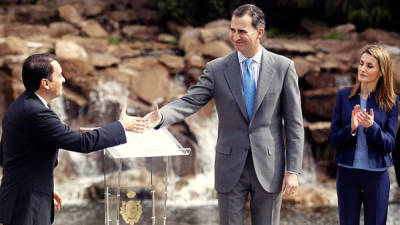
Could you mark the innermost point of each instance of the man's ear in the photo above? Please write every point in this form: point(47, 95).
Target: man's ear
point(260, 33)
point(45, 84)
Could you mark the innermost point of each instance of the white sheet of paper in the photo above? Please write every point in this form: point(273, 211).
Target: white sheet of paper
point(151, 143)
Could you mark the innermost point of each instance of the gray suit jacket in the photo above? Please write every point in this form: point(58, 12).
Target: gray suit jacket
point(277, 100)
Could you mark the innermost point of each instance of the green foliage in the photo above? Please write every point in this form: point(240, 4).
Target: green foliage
point(272, 32)
point(195, 12)
point(275, 32)
point(288, 13)
point(331, 36)
point(113, 41)
point(173, 43)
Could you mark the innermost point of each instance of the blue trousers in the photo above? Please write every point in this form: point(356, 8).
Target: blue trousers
point(356, 187)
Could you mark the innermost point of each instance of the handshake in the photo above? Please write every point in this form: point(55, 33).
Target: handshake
point(140, 124)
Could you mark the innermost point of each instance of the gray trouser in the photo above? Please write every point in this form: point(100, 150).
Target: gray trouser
point(264, 207)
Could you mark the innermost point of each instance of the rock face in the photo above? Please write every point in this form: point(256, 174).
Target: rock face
point(112, 54)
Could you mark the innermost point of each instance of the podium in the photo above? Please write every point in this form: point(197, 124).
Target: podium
point(136, 178)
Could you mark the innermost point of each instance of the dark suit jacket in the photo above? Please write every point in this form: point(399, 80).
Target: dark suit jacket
point(396, 157)
point(32, 135)
point(380, 136)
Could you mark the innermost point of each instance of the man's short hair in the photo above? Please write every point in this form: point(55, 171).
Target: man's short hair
point(37, 67)
point(257, 15)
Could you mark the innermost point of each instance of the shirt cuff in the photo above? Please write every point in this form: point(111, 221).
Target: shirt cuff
point(161, 122)
point(293, 172)
point(122, 124)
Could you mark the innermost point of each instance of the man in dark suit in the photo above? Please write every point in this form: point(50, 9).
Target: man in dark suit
point(32, 135)
point(254, 92)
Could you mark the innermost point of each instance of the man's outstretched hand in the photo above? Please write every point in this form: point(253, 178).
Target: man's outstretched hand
point(132, 123)
point(153, 118)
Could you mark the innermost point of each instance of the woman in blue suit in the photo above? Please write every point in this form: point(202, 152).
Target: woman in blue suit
point(363, 130)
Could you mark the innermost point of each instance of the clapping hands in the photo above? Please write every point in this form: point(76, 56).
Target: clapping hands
point(361, 118)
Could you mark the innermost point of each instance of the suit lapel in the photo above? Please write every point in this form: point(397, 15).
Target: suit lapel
point(264, 79)
point(234, 79)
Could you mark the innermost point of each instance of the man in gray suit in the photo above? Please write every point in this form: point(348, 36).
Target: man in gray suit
point(257, 99)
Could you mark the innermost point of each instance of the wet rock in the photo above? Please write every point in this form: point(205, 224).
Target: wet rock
point(124, 51)
point(218, 23)
point(114, 75)
point(102, 60)
point(94, 192)
point(152, 85)
point(94, 8)
point(70, 50)
point(303, 66)
point(74, 97)
point(192, 76)
point(34, 14)
point(314, 26)
point(74, 68)
point(214, 34)
point(372, 35)
point(66, 168)
point(167, 38)
point(347, 31)
point(92, 28)
point(15, 69)
point(312, 196)
point(317, 80)
point(288, 45)
point(124, 16)
point(318, 104)
point(153, 48)
point(319, 131)
point(83, 84)
point(12, 45)
point(134, 65)
point(175, 28)
point(148, 16)
point(5, 100)
point(338, 62)
point(189, 39)
point(193, 60)
point(14, 88)
point(184, 165)
point(69, 14)
point(26, 31)
point(336, 46)
point(174, 63)
point(6, 18)
point(133, 32)
point(59, 29)
point(89, 44)
point(215, 49)
point(396, 72)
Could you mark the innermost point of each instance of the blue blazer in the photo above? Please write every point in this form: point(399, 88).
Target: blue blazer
point(32, 135)
point(380, 136)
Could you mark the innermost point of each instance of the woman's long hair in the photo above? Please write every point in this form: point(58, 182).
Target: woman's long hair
point(384, 93)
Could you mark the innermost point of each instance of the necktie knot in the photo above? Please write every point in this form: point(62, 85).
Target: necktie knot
point(248, 63)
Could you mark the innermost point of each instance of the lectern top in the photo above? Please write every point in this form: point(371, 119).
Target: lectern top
point(151, 143)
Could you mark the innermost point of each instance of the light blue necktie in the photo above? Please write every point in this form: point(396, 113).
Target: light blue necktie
point(249, 88)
